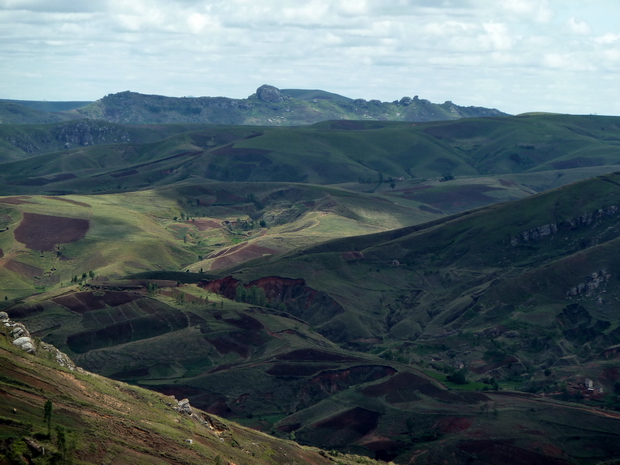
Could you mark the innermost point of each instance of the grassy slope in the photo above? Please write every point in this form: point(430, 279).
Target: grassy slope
point(248, 364)
point(108, 421)
point(328, 153)
point(462, 275)
point(145, 230)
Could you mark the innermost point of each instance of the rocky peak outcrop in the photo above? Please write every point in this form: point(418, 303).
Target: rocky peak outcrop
point(269, 94)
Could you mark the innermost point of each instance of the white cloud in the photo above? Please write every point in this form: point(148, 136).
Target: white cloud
point(578, 27)
point(474, 52)
point(536, 10)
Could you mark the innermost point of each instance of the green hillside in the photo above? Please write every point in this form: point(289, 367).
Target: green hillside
point(348, 342)
point(49, 106)
point(53, 412)
point(535, 152)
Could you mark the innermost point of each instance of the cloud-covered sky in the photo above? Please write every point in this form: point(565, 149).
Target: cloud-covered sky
point(514, 55)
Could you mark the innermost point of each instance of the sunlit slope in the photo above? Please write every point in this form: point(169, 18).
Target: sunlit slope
point(49, 240)
point(46, 241)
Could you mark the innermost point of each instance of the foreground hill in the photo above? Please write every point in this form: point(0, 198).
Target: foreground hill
point(96, 420)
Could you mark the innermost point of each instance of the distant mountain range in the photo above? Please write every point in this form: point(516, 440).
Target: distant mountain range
point(268, 106)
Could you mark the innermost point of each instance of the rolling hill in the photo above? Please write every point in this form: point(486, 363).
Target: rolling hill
point(438, 291)
point(356, 343)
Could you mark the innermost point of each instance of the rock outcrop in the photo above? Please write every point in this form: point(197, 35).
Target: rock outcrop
point(540, 232)
point(269, 94)
point(18, 334)
point(20, 337)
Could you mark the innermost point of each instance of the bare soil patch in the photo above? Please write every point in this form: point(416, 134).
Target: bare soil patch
point(358, 419)
point(245, 322)
point(402, 382)
point(285, 369)
point(25, 271)
point(313, 355)
point(124, 173)
point(19, 200)
point(578, 162)
point(232, 342)
point(43, 232)
point(505, 452)
point(205, 225)
point(84, 302)
point(454, 424)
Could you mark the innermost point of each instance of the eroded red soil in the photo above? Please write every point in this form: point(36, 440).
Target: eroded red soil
point(44, 232)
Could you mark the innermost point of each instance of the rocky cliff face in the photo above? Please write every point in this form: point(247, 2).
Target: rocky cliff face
point(67, 135)
point(269, 106)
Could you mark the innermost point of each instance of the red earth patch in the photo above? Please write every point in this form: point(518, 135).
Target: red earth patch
point(84, 302)
point(44, 232)
point(454, 424)
point(25, 271)
point(205, 225)
point(313, 355)
point(16, 200)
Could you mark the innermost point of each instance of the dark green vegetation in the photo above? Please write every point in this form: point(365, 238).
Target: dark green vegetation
point(352, 284)
point(521, 155)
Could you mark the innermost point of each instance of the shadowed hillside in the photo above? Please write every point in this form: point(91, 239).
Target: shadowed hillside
point(54, 412)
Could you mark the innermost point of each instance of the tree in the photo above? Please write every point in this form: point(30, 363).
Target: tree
point(61, 443)
point(240, 293)
point(47, 415)
point(459, 377)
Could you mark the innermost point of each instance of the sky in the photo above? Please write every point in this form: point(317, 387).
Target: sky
point(514, 55)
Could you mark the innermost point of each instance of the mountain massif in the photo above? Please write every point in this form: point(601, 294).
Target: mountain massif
point(269, 106)
point(415, 292)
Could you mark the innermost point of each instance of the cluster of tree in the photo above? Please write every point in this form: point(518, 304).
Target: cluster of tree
point(245, 225)
point(151, 288)
point(80, 279)
point(255, 295)
point(381, 180)
point(491, 382)
point(458, 377)
point(183, 217)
